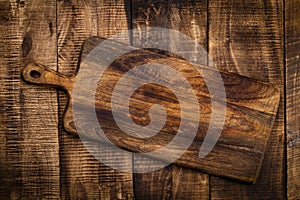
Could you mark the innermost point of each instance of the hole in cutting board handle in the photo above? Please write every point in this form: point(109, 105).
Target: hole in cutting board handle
point(39, 74)
point(35, 74)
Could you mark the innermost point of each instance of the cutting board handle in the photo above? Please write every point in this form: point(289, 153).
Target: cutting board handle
point(41, 75)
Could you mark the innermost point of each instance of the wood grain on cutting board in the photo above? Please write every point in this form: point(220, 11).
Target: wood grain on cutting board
point(251, 107)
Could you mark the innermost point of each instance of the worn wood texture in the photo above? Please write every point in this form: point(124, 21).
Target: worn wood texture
point(292, 45)
point(28, 114)
point(82, 176)
point(247, 38)
point(190, 18)
point(240, 148)
point(244, 37)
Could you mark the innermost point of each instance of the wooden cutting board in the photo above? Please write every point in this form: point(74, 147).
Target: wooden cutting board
point(251, 111)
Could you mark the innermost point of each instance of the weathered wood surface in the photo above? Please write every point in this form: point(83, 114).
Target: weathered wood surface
point(247, 38)
point(83, 176)
point(248, 27)
point(292, 45)
point(29, 150)
point(251, 108)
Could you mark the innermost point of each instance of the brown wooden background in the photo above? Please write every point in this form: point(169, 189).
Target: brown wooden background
point(39, 160)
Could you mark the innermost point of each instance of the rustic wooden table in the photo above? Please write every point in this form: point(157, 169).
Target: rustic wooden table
point(39, 160)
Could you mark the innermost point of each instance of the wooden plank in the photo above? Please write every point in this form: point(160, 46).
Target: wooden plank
point(189, 17)
point(79, 170)
point(81, 174)
point(188, 183)
point(29, 134)
point(292, 45)
point(247, 38)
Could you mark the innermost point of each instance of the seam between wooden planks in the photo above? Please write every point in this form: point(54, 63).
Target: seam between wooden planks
point(58, 103)
point(285, 168)
point(207, 60)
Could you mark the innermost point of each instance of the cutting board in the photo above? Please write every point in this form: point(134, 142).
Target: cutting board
point(251, 107)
